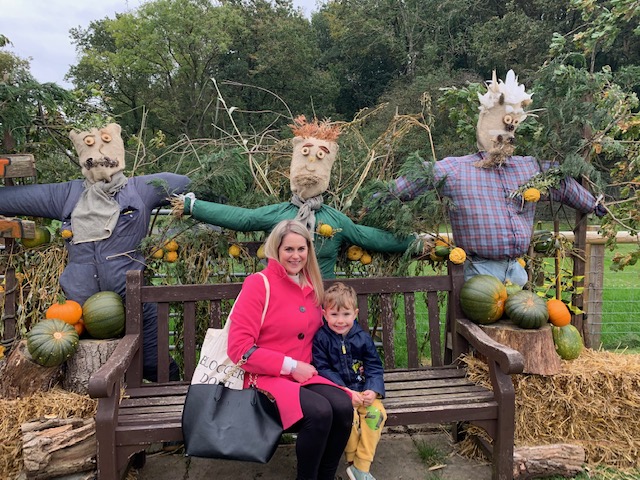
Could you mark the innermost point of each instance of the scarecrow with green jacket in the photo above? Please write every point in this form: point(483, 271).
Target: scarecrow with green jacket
point(314, 152)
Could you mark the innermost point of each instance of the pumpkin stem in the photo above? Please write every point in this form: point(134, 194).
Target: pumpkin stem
point(62, 299)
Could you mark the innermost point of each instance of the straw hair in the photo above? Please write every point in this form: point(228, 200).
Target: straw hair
point(324, 130)
point(311, 271)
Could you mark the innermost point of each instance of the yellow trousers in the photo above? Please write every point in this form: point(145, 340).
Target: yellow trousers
point(365, 434)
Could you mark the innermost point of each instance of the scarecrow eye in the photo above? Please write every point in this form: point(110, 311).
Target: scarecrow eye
point(516, 121)
point(507, 119)
point(320, 154)
point(305, 151)
point(89, 141)
point(106, 138)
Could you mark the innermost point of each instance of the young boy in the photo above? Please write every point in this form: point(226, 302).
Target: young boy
point(346, 354)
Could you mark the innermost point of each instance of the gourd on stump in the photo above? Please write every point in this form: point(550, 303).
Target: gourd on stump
point(526, 309)
point(528, 332)
point(104, 315)
point(482, 299)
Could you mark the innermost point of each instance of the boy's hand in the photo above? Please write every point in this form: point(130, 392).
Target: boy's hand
point(303, 372)
point(368, 396)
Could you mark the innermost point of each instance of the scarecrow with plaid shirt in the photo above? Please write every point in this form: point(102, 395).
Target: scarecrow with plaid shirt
point(490, 220)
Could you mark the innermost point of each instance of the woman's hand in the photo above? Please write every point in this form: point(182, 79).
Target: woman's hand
point(356, 399)
point(303, 372)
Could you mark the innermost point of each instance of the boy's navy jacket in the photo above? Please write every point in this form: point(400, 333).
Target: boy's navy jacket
point(351, 361)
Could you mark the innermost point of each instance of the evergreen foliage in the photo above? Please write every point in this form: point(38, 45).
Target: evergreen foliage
point(208, 89)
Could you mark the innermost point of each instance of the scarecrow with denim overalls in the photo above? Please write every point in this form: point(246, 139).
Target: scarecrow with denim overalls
point(104, 218)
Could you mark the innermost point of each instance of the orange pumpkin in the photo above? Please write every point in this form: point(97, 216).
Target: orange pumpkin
point(559, 314)
point(79, 327)
point(66, 310)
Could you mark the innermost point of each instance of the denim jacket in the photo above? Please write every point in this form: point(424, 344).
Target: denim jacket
point(351, 361)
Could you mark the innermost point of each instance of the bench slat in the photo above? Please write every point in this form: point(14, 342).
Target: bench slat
point(150, 401)
point(148, 415)
point(166, 432)
point(433, 391)
point(445, 398)
point(153, 390)
point(423, 374)
point(417, 382)
point(444, 414)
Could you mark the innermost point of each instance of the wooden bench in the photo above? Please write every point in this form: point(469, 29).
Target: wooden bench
point(437, 393)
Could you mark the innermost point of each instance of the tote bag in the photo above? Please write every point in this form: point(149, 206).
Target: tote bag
point(214, 365)
point(220, 422)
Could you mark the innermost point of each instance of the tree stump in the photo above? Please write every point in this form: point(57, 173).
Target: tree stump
point(541, 461)
point(56, 447)
point(535, 345)
point(22, 376)
point(89, 357)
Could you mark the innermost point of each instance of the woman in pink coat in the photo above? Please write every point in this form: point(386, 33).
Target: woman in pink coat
point(319, 410)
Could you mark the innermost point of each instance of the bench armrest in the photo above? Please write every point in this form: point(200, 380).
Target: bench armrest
point(511, 361)
point(102, 382)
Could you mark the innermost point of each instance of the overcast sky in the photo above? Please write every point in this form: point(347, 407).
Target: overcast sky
point(39, 29)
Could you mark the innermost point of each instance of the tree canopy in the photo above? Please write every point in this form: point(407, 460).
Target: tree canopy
point(189, 78)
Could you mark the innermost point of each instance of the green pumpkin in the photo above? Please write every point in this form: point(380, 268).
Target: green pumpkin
point(103, 315)
point(482, 299)
point(543, 241)
point(442, 251)
point(512, 287)
point(526, 309)
point(568, 341)
point(43, 235)
point(51, 342)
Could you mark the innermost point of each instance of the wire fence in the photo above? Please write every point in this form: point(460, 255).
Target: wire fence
point(612, 302)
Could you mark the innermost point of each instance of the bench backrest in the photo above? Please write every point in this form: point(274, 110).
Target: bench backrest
point(408, 316)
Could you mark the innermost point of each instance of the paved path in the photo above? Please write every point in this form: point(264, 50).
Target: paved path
point(396, 459)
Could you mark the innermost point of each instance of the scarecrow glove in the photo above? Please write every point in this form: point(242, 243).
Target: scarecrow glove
point(427, 241)
point(188, 206)
point(600, 210)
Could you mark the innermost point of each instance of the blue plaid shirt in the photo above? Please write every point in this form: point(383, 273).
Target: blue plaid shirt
point(485, 221)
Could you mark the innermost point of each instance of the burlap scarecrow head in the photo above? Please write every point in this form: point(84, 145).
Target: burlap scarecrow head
point(100, 152)
point(501, 111)
point(314, 151)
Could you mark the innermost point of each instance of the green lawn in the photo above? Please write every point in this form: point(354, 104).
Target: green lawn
point(620, 305)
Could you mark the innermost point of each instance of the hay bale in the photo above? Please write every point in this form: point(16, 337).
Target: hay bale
point(54, 403)
point(594, 402)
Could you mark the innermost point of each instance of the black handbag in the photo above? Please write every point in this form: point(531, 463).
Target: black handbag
point(220, 422)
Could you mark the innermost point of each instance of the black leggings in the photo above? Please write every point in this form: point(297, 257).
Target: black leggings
point(323, 432)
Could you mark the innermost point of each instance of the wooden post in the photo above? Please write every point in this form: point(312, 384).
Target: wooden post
point(10, 229)
point(17, 165)
point(579, 244)
point(9, 298)
point(594, 288)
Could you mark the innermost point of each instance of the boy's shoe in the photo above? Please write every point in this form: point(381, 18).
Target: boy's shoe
point(355, 474)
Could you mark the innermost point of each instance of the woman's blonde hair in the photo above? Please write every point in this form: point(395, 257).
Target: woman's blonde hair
point(311, 271)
